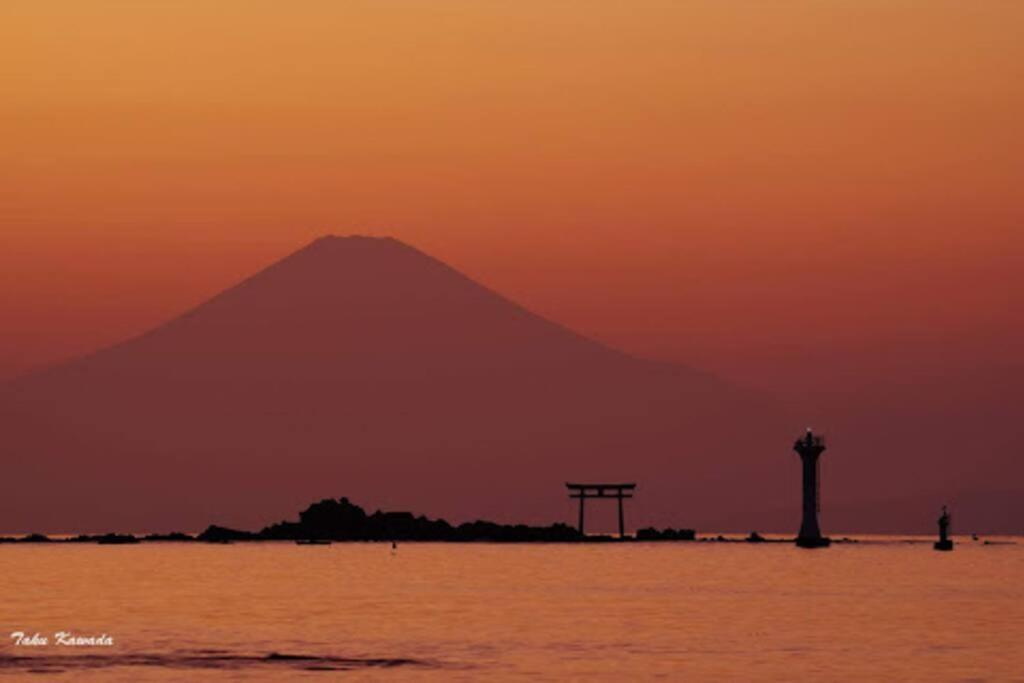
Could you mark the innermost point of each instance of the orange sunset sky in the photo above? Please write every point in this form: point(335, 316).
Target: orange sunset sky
point(748, 187)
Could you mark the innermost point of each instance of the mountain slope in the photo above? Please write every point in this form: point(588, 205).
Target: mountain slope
point(362, 367)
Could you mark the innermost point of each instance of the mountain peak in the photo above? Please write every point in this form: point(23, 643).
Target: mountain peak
point(361, 240)
point(354, 251)
point(363, 362)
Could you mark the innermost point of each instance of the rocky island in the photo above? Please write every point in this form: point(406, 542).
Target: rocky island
point(341, 520)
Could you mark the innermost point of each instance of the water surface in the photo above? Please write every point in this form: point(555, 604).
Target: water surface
point(695, 611)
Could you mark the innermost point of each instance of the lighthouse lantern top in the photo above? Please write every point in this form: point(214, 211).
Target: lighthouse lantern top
point(810, 443)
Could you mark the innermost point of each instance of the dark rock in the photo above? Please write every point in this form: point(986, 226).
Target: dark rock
point(117, 539)
point(219, 534)
point(105, 539)
point(35, 538)
point(175, 536)
point(82, 538)
point(652, 534)
point(519, 533)
point(341, 520)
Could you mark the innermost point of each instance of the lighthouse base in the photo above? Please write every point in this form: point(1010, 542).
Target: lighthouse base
point(813, 542)
point(943, 545)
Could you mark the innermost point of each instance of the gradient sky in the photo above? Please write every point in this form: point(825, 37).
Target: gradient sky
point(749, 187)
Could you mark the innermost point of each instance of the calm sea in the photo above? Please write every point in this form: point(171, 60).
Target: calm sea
point(686, 611)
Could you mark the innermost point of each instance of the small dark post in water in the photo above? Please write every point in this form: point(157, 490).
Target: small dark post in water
point(810, 449)
point(944, 542)
point(619, 491)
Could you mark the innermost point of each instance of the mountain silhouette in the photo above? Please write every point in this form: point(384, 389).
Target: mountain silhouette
point(363, 365)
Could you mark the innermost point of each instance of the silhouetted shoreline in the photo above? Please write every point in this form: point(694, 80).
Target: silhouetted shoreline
point(339, 521)
point(342, 521)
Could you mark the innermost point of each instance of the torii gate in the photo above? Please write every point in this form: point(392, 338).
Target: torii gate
point(584, 491)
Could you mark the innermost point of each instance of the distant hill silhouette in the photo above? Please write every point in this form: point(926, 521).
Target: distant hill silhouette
point(364, 364)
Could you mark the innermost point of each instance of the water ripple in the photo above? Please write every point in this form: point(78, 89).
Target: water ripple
point(206, 659)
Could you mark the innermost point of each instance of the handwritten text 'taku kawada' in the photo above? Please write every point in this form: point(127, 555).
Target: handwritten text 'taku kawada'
point(61, 639)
